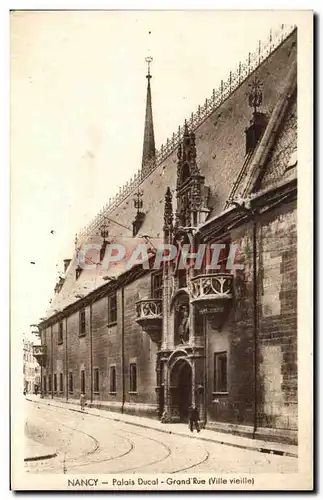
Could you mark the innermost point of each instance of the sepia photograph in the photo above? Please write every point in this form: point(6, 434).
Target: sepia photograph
point(161, 194)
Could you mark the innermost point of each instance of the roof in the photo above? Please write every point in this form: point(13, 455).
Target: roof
point(220, 144)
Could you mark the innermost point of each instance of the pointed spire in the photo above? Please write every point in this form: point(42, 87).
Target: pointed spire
point(148, 151)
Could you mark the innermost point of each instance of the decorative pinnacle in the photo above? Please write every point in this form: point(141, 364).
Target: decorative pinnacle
point(104, 229)
point(138, 202)
point(149, 60)
point(255, 94)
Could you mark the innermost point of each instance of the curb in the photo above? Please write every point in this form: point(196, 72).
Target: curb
point(40, 457)
point(271, 451)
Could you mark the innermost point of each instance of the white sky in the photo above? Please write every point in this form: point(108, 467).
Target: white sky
point(78, 92)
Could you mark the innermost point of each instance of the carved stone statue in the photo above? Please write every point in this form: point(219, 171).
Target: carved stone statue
point(184, 327)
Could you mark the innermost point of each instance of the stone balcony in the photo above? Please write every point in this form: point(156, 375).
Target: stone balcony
point(149, 317)
point(40, 353)
point(212, 295)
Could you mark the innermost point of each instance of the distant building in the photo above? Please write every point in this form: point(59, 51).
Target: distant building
point(152, 342)
point(31, 368)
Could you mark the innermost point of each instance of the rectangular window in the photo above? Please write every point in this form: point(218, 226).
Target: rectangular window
point(96, 380)
point(113, 379)
point(50, 383)
point(61, 386)
point(82, 323)
point(60, 332)
point(44, 383)
point(55, 382)
point(83, 381)
point(70, 382)
point(220, 372)
point(157, 285)
point(133, 377)
point(112, 309)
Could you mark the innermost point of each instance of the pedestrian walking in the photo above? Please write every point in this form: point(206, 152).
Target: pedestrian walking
point(194, 419)
point(82, 401)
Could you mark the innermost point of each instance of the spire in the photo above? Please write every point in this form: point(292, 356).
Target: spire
point(148, 151)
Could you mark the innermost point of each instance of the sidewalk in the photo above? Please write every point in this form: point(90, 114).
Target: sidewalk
point(178, 429)
point(37, 451)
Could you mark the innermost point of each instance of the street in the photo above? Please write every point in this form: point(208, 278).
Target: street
point(92, 444)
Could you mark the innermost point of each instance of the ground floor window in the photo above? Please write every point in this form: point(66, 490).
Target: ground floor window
point(113, 379)
point(96, 380)
point(133, 377)
point(220, 372)
point(82, 381)
point(44, 383)
point(50, 383)
point(55, 382)
point(61, 386)
point(70, 382)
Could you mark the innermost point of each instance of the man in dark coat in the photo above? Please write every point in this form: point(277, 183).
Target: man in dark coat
point(194, 418)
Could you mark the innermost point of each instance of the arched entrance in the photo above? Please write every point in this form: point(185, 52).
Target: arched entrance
point(181, 390)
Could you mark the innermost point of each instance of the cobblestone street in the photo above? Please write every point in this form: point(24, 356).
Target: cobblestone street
point(96, 444)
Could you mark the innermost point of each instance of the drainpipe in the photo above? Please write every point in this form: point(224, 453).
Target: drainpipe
point(122, 349)
point(66, 360)
point(52, 360)
point(253, 213)
point(91, 356)
point(255, 320)
point(206, 355)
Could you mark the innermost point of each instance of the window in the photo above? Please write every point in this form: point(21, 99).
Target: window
point(82, 323)
point(133, 377)
point(157, 285)
point(112, 309)
point(50, 383)
point(83, 381)
point(96, 380)
point(61, 386)
point(60, 332)
point(55, 382)
point(70, 382)
point(44, 383)
point(78, 271)
point(113, 379)
point(220, 372)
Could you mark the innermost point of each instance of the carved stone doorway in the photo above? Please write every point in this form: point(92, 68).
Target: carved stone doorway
point(181, 390)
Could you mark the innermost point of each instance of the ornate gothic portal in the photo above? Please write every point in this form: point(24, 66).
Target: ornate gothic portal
point(181, 358)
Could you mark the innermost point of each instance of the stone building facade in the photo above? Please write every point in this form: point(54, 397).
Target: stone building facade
point(154, 341)
point(31, 369)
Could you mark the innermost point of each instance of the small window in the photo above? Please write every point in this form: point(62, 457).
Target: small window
point(96, 380)
point(220, 372)
point(113, 379)
point(82, 323)
point(44, 383)
point(60, 332)
point(61, 386)
point(112, 309)
point(55, 382)
point(83, 381)
point(70, 382)
point(133, 377)
point(157, 285)
point(50, 383)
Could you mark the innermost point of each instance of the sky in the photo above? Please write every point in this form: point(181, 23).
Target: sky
point(77, 106)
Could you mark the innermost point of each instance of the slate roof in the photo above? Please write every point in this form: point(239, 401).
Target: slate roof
point(220, 143)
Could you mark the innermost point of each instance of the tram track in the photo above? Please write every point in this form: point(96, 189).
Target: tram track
point(70, 463)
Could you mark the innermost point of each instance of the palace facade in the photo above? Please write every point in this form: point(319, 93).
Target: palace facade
point(153, 341)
